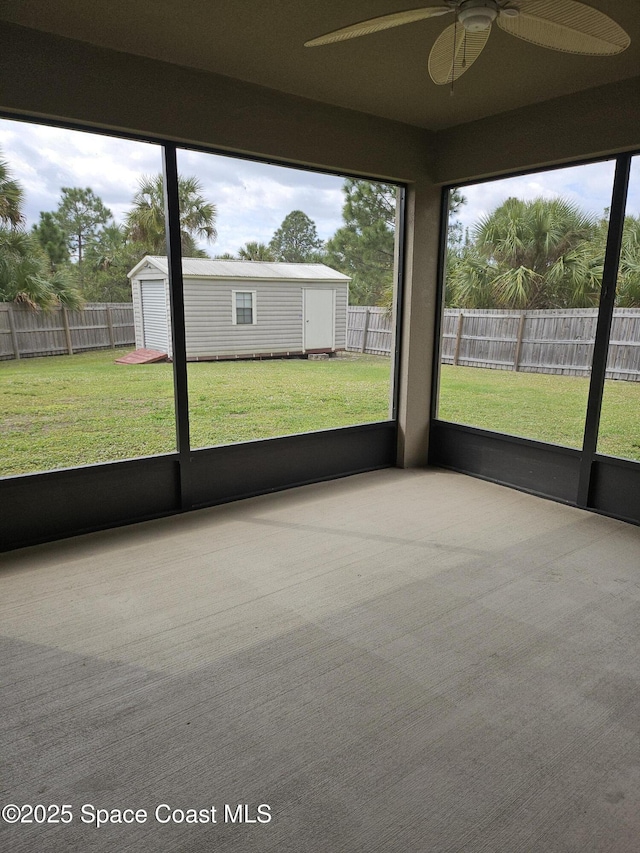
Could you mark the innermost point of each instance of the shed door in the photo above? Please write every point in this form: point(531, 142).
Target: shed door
point(318, 319)
point(154, 315)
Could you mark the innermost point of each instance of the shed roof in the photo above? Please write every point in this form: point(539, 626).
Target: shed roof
point(207, 268)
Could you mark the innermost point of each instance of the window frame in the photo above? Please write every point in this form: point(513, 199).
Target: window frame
point(580, 477)
point(141, 488)
point(234, 307)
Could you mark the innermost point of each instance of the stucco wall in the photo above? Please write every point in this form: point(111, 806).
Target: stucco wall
point(48, 76)
point(594, 123)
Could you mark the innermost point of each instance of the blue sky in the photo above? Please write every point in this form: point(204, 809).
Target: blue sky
point(252, 198)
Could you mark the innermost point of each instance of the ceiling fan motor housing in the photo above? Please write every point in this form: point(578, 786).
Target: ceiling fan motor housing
point(477, 15)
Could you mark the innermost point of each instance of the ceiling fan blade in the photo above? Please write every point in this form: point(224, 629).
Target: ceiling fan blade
point(454, 51)
point(566, 25)
point(374, 25)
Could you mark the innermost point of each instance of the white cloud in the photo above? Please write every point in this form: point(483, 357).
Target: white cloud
point(44, 159)
point(252, 198)
point(588, 186)
point(633, 200)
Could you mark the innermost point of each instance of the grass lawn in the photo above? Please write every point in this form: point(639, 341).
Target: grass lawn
point(75, 410)
point(64, 411)
point(541, 406)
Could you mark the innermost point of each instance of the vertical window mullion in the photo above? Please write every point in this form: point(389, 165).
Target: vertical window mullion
point(603, 328)
point(440, 301)
point(176, 291)
point(400, 246)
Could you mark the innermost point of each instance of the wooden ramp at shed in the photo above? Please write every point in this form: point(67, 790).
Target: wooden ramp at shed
point(142, 356)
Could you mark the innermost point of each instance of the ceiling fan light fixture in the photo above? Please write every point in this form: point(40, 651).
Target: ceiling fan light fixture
point(477, 15)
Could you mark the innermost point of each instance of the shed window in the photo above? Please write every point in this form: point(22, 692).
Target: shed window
point(244, 307)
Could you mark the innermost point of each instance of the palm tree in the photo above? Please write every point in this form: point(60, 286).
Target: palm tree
point(25, 277)
point(628, 288)
point(11, 198)
point(105, 247)
point(145, 221)
point(25, 271)
point(529, 254)
point(108, 259)
point(254, 251)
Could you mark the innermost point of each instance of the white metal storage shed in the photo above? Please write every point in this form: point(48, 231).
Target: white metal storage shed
point(242, 309)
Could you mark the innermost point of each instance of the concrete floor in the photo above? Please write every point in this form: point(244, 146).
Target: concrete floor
point(398, 661)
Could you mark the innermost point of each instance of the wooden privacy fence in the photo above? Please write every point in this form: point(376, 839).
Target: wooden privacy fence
point(558, 341)
point(25, 332)
point(369, 330)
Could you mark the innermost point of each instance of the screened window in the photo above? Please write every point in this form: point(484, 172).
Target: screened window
point(289, 271)
point(244, 307)
point(620, 417)
point(523, 276)
point(66, 309)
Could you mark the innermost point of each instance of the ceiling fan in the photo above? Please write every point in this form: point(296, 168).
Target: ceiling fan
point(564, 25)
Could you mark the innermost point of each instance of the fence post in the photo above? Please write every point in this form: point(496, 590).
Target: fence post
point(365, 330)
point(112, 339)
point(516, 357)
point(456, 353)
point(67, 330)
point(14, 335)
